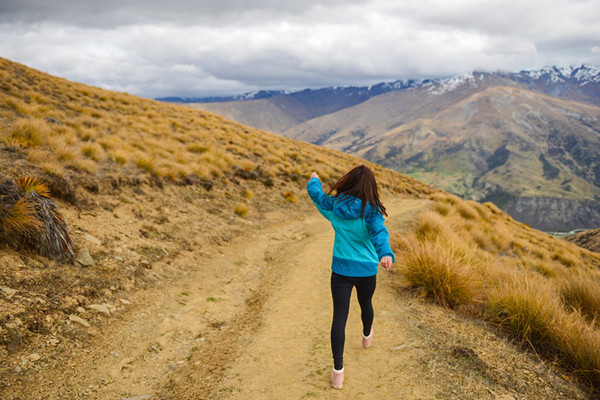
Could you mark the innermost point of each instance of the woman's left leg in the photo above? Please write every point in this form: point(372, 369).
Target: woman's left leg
point(341, 290)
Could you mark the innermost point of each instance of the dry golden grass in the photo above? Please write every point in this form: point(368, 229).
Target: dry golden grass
point(431, 227)
point(525, 308)
point(582, 293)
point(21, 218)
point(241, 210)
point(441, 273)
point(290, 196)
point(64, 127)
point(540, 290)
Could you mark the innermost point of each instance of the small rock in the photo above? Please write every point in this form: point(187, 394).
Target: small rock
point(34, 357)
point(142, 397)
point(8, 292)
point(401, 347)
point(84, 258)
point(17, 369)
point(504, 397)
point(120, 259)
point(145, 263)
point(14, 324)
point(92, 239)
point(126, 302)
point(103, 308)
point(80, 309)
point(79, 320)
point(53, 120)
point(53, 341)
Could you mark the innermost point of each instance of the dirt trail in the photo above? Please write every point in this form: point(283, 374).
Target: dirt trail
point(250, 319)
point(289, 355)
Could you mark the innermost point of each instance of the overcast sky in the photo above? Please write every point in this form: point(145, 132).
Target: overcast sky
point(157, 48)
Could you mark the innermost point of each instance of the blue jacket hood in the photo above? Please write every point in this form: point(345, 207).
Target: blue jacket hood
point(349, 207)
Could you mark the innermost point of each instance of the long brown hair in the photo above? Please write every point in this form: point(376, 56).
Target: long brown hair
point(359, 182)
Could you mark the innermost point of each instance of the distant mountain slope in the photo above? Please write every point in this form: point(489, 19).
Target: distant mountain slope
point(277, 111)
point(587, 239)
point(502, 137)
point(508, 145)
point(581, 83)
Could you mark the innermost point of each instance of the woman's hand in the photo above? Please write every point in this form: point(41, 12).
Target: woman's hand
point(314, 175)
point(386, 262)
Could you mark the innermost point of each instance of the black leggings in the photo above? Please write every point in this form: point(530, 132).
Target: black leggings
point(341, 289)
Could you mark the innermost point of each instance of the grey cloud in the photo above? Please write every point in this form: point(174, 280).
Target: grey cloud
point(187, 47)
point(113, 13)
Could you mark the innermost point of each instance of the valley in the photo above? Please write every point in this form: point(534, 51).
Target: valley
point(522, 141)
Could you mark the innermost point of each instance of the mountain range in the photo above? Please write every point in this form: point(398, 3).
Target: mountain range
point(527, 141)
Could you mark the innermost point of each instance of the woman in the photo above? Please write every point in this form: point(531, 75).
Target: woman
point(353, 207)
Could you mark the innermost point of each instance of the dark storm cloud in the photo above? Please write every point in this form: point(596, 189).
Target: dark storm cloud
point(187, 47)
point(113, 13)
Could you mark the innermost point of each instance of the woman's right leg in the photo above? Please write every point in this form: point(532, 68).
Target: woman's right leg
point(365, 287)
point(341, 289)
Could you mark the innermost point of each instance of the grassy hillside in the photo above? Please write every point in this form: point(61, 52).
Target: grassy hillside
point(148, 188)
point(70, 130)
point(540, 290)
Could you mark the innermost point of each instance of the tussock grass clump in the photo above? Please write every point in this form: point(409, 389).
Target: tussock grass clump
point(440, 273)
point(443, 197)
point(431, 227)
point(482, 239)
point(579, 343)
point(567, 258)
point(466, 210)
point(290, 197)
point(30, 220)
point(93, 151)
point(241, 210)
point(525, 309)
point(30, 184)
point(582, 294)
point(145, 163)
point(30, 132)
point(442, 208)
point(530, 263)
point(493, 208)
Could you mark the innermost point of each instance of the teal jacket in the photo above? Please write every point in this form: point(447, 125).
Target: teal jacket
point(359, 242)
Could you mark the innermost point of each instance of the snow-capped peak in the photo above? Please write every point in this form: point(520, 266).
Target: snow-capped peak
point(449, 84)
point(583, 74)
